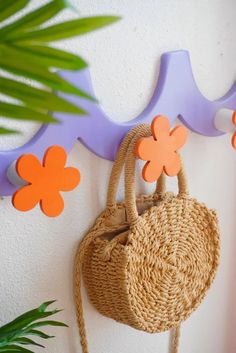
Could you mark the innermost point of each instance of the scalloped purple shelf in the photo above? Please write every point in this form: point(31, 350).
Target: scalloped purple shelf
point(176, 95)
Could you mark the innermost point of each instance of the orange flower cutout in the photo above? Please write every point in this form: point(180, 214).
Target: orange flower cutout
point(160, 149)
point(233, 140)
point(45, 181)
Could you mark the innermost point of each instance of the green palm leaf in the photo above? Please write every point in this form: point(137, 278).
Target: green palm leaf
point(19, 112)
point(35, 97)
point(37, 333)
point(63, 30)
point(25, 52)
point(35, 18)
point(50, 57)
point(26, 341)
point(10, 7)
point(37, 72)
point(14, 349)
point(14, 334)
point(6, 131)
point(47, 323)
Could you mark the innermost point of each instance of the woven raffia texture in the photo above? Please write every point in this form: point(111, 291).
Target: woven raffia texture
point(148, 261)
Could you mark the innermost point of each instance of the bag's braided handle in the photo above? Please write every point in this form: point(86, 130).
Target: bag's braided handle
point(130, 196)
point(120, 161)
point(182, 185)
point(119, 164)
point(161, 185)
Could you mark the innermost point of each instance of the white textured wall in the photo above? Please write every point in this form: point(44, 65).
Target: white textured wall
point(36, 253)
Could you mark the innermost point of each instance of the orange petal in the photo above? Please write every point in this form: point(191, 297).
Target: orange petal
point(152, 171)
point(233, 140)
point(234, 117)
point(70, 178)
point(55, 157)
point(26, 198)
point(145, 148)
point(178, 137)
point(172, 164)
point(28, 167)
point(52, 204)
point(160, 126)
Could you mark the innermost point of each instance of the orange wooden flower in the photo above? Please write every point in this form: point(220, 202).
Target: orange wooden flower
point(45, 181)
point(160, 149)
point(233, 140)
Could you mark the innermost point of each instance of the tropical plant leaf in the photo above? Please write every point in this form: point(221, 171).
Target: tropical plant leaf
point(22, 321)
point(45, 305)
point(64, 30)
point(23, 52)
point(36, 72)
point(25, 341)
point(34, 18)
point(36, 333)
point(51, 57)
point(29, 316)
point(46, 323)
point(5, 131)
point(35, 97)
point(13, 335)
point(14, 349)
point(25, 326)
point(24, 113)
point(10, 7)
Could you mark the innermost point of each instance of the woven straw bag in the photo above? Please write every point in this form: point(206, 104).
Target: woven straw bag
point(148, 261)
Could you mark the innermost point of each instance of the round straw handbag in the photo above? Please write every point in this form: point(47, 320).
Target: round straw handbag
point(148, 261)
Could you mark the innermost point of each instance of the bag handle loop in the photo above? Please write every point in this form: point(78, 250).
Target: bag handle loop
point(119, 163)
